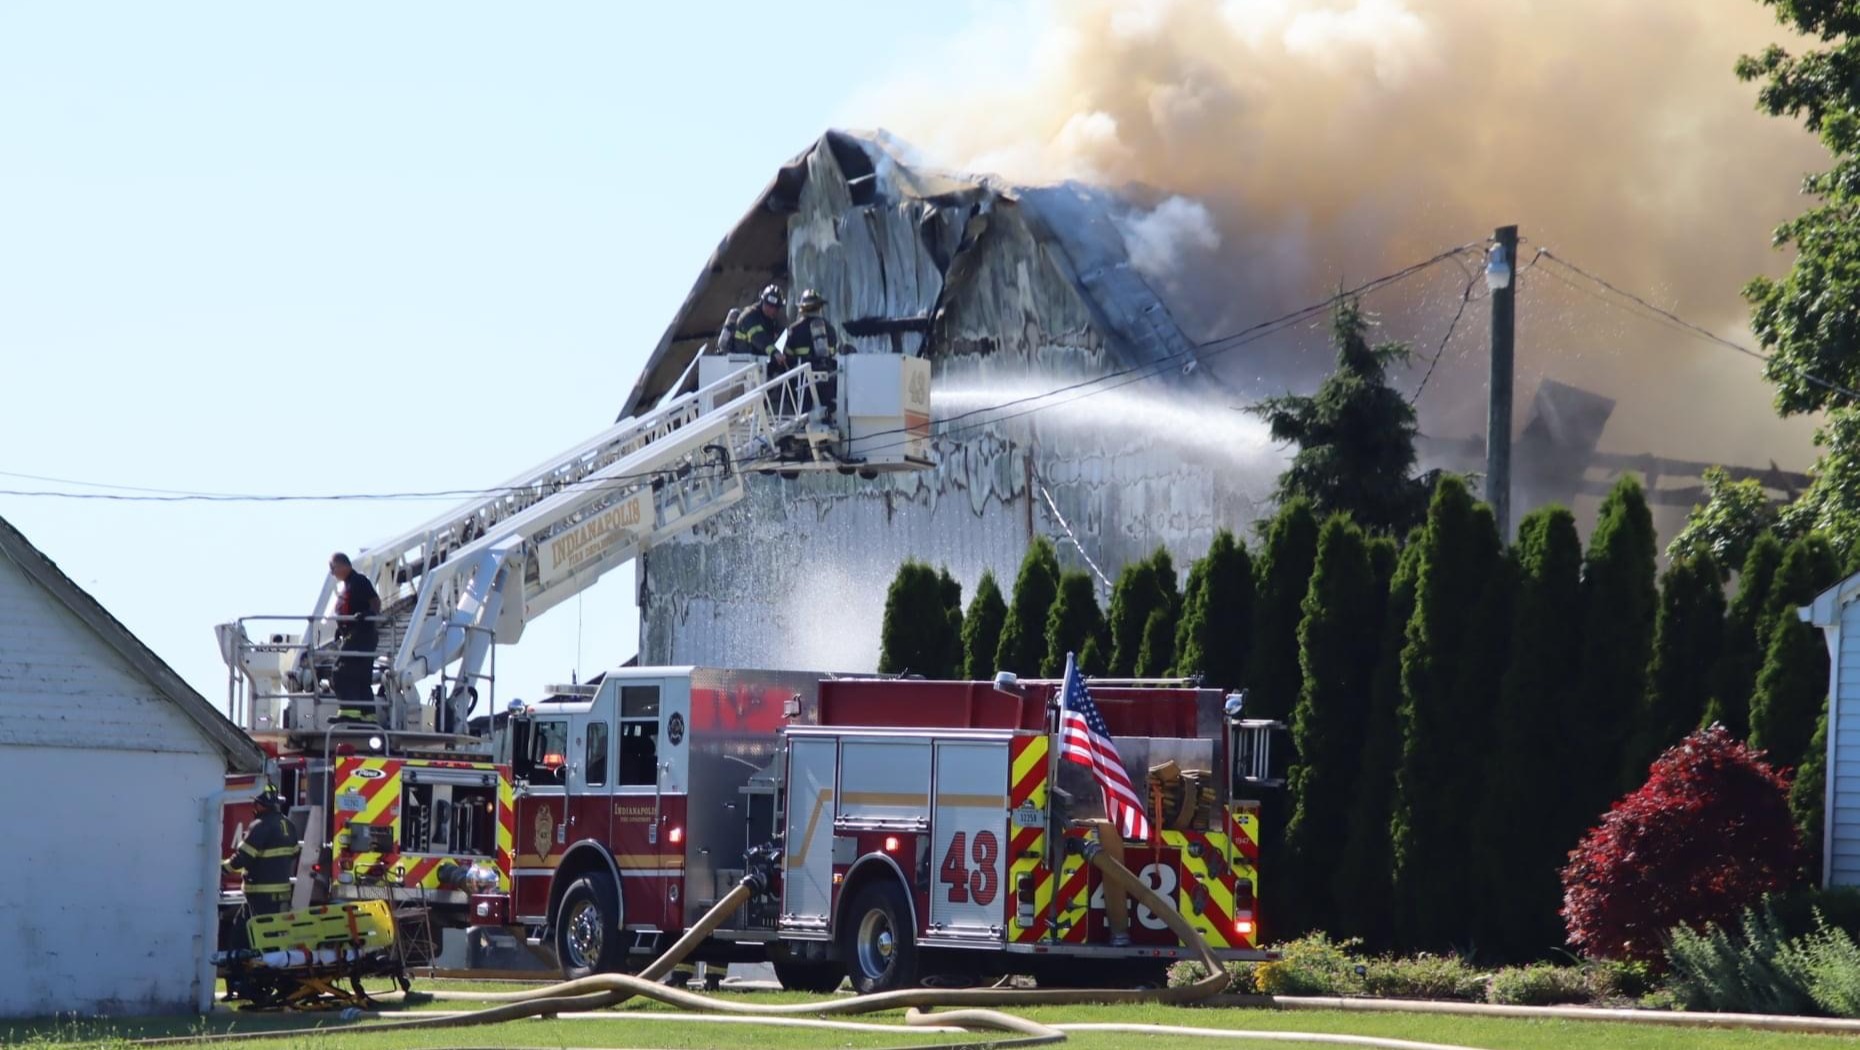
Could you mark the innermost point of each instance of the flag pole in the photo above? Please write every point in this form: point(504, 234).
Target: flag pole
point(1055, 858)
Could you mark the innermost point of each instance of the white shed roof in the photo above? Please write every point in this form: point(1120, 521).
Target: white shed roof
point(242, 755)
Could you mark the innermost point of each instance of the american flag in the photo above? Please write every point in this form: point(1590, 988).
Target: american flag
point(1085, 739)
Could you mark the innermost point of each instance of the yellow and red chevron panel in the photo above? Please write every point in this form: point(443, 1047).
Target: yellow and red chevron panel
point(367, 793)
point(1073, 924)
point(1243, 856)
point(1206, 890)
point(1027, 852)
point(506, 829)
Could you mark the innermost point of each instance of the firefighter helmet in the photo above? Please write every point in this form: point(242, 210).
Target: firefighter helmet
point(812, 302)
point(771, 296)
point(269, 799)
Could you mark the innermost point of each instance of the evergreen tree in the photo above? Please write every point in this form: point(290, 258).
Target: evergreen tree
point(1809, 566)
point(1023, 636)
point(1337, 642)
point(981, 630)
point(1687, 634)
point(1158, 645)
point(1361, 885)
point(1619, 603)
point(1355, 436)
point(916, 635)
point(1808, 796)
point(1734, 675)
point(1074, 623)
point(1523, 854)
point(1284, 575)
point(1443, 755)
point(1143, 589)
point(1216, 630)
point(1790, 690)
point(952, 613)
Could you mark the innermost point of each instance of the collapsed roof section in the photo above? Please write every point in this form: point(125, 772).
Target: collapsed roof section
point(933, 264)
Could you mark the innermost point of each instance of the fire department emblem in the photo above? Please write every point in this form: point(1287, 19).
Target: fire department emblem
point(675, 729)
point(544, 836)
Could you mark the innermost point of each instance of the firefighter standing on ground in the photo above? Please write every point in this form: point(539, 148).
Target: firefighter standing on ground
point(356, 604)
point(813, 340)
point(268, 856)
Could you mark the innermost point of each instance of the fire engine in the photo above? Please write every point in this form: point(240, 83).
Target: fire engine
point(415, 808)
point(903, 828)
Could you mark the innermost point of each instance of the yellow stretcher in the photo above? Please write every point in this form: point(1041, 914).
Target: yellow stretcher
point(299, 960)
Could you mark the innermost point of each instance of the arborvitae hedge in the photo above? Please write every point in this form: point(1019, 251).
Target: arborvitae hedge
point(1074, 621)
point(1337, 646)
point(981, 629)
point(1023, 637)
point(1215, 635)
point(1283, 574)
point(1619, 604)
point(1734, 673)
point(917, 636)
point(1687, 636)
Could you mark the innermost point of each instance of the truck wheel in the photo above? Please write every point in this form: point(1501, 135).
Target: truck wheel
point(805, 975)
point(587, 928)
point(877, 942)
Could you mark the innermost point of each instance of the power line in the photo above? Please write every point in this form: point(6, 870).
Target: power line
point(1103, 383)
point(1472, 278)
point(1697, 330)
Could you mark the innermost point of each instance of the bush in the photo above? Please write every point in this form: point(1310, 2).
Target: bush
point(1620, 979)
point(1707, 836)
point(1827, 963)
point(1719, 970)
point(1540, 984)
point(1314, 965)
point(1189, 971)
point(1422, 977)
point(1805, 910)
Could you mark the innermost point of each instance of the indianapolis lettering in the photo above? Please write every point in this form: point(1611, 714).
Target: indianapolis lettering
point(594, 536)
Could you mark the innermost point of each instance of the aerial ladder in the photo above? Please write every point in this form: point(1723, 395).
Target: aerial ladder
point(472, 578)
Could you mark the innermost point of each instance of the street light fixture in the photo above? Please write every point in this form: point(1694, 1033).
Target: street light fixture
point(1497, 269)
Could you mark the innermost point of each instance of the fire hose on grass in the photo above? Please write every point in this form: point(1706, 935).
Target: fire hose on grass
point(601, 991)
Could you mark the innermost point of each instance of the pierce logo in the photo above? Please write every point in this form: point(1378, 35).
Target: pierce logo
point(371, 774)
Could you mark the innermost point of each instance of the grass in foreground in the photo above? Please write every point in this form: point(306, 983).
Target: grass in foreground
point(634, 1027)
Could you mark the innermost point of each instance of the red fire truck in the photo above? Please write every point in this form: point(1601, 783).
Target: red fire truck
point(904, 827)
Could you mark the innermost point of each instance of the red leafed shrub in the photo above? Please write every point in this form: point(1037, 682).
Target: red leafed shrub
point(1706, 836)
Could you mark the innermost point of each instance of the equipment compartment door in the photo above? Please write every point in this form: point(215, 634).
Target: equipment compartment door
point(807, 882)
point(969, 839)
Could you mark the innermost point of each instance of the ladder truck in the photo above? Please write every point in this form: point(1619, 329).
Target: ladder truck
point(416, 809)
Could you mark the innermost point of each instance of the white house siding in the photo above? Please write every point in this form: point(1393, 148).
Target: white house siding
point(101, 909)
point(1843, 854)
point(102, 783)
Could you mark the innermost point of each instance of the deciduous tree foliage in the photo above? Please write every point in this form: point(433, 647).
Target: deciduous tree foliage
point(1529, 768)
point(981, 629)
point(1362, 883)
point(1725, 526)
point(1734, 676)
point(1075, 625)
point(1355, 436)
point(1337, 643)
point(1284, 575)
point(1023, 637)
point(1619, 604)
point(1215, 634)
point(917, 635)
point(1706, 836)
point(1809, 321)
point(1687, 636)
point(1445, 723)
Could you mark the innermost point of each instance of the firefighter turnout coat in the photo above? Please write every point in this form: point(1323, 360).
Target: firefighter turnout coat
point(267, 858)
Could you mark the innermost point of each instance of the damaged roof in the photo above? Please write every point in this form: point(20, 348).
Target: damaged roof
point(892, 244)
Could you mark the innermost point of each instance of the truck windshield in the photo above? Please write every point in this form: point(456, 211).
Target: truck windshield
point(542, 758)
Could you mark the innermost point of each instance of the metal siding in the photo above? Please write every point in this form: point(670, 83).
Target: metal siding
point(61, 686)
point(102, 909)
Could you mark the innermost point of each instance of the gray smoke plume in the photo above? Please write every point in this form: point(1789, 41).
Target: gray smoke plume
point(1290, 146)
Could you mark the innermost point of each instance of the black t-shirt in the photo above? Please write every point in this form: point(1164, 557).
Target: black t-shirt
point(356, 596)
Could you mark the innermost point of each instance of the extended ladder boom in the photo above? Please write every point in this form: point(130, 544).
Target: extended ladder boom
point(475, 575)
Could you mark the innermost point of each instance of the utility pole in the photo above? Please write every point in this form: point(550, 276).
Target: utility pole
point(1501, 270)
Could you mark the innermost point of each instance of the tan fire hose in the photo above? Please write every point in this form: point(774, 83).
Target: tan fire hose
point(605, 990)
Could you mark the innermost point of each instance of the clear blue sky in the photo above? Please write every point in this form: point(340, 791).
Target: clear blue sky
point(364, 248)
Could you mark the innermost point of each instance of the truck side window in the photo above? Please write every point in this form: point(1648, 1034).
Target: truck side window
point(639, 735)
point(597, 754)
point(544, 761)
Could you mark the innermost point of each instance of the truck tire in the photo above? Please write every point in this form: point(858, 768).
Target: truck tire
point(587, 928)
point(876, 940)
point(805, 975)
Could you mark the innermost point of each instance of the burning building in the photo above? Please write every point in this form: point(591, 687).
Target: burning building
point(1015, 294)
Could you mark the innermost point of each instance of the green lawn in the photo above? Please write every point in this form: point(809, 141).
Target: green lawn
point(635, 1030)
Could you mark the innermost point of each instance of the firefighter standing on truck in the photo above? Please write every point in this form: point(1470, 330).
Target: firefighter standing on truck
point(757, 328)
point(356, 604)
point(813, 340)
point(268, 855)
